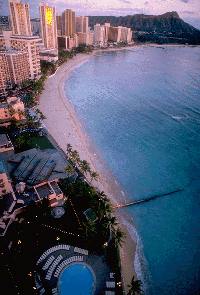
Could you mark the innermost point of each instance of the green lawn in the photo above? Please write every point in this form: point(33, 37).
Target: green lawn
point(32, 141)
point(41, 142)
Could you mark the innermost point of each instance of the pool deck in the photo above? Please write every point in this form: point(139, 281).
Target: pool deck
point(52, 262)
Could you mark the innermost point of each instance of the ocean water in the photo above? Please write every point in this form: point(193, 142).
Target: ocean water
point(141, 107)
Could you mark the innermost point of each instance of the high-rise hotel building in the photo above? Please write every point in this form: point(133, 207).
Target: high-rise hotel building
point(82, 24)
point(85, 36)
point(100, 34)
point(14, 68)
point(48, 26)
point(68, 23)
point(59, 24)
point(20, 18)
point(24, 44)
point(19, 49)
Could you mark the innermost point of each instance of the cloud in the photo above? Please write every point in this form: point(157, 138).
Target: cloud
point(125, 1)
point(188, 12)
point(185, 1)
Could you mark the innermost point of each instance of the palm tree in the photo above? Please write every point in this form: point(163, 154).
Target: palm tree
point(103, 209)
point(112, 221)
point(104, 197)
point(118, 237)
point(94, 176)
point(69, 149)
point(90, 228)
point(135, 287)
point(84, 166)
point(74, 157)
point(40, 114)
point(20, 141)
point(69, 169)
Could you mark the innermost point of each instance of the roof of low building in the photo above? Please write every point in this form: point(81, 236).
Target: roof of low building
point(44, 190)
point(2, 167)
point(35, 166)
point(4, 139)
point(3, 105)
point(90, 214)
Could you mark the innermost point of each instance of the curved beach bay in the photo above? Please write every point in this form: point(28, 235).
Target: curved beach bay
point(65, 127)
point(141, 108)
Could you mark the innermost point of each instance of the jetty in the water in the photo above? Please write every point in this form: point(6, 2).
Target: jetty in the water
point(151, 198)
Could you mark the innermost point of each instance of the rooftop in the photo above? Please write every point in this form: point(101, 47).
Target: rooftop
point(44, 190)
point(4, 140)
point(3, 105)
point(11, 51)
point(35, 166)
point(25, 37)
point(2, 167)
point(90, 215)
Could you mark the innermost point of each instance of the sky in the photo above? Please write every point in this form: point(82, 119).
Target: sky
point(189, 10)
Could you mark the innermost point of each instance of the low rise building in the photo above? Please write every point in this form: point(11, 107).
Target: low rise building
point(7, 200)
point(49, 55)
point(11, 109)
point(50, 190)
point(28, 177)
point(5, 144)
point(36, 166)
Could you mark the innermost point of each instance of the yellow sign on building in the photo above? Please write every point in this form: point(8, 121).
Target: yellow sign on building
point(49, 16)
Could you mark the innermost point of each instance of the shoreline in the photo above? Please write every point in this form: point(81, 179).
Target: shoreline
point(65, 126)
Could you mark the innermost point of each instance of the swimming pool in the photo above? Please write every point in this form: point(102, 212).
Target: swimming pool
point(77, 279)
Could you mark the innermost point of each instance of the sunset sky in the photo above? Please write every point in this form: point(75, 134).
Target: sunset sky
point(189, 10)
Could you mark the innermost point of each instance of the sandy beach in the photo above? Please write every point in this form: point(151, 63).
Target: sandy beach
point(65, 127)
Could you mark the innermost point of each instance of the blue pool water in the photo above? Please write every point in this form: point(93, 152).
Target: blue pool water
point(76, 279)
point(141, 108)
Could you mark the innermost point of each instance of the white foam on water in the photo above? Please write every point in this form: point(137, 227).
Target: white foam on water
point(140, 263)
point(123, 193)
point(177, 118)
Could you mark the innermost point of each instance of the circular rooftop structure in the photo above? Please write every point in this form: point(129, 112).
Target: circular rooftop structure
point(58, 212)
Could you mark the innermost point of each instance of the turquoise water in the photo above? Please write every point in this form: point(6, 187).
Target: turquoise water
point(76, 279)
point(141, 107)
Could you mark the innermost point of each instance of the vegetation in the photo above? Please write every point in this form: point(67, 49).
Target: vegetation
point(135, 288)
point(105, 227)
point(82, 48)
point(64, 55)
point(83, 165)
point(26, 141)
point(48, 68)
point(35, 228)
point(162, 29)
